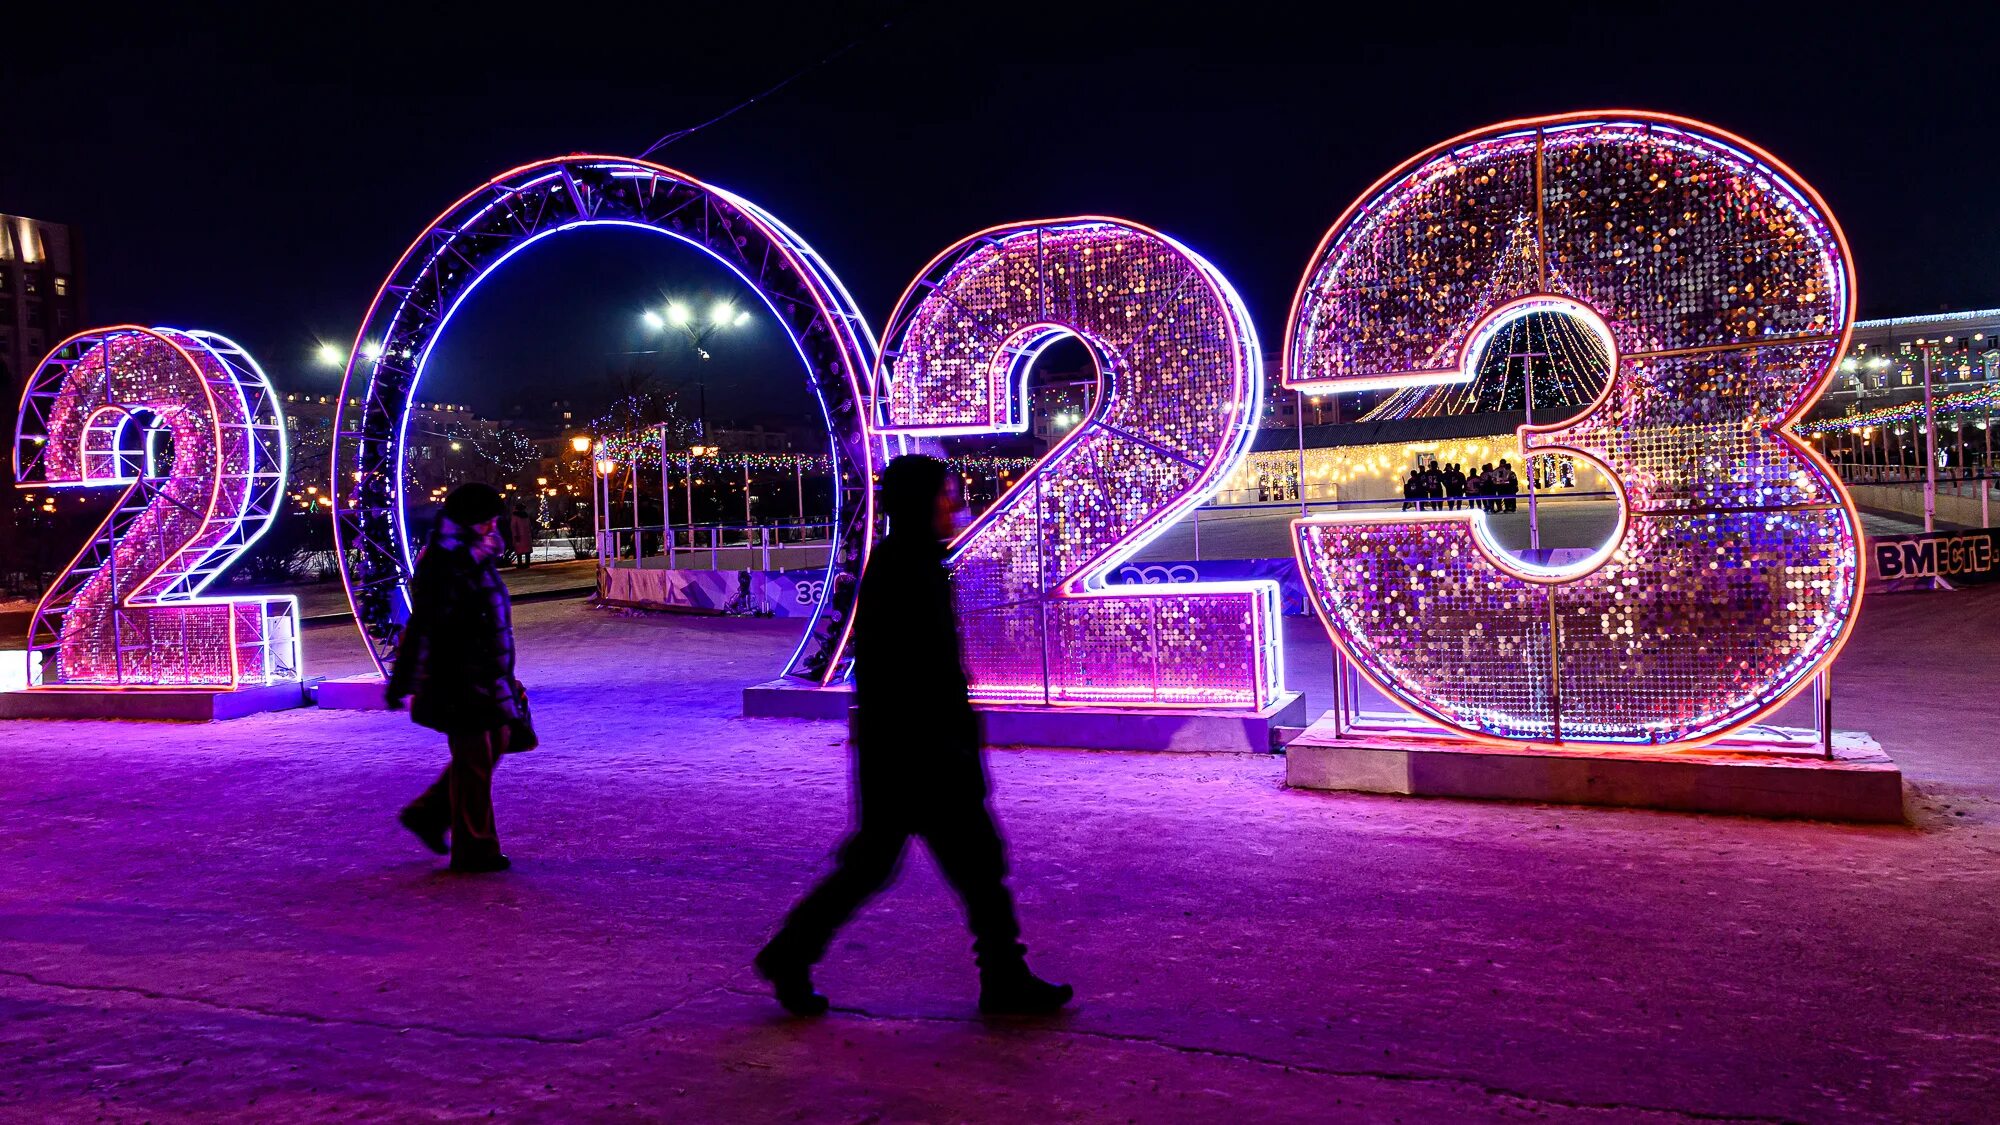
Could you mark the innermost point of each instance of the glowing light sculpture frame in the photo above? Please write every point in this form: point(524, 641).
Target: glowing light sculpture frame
point(480, 233)
point(1178, 399)
point(1724, 289)
point(129, 610)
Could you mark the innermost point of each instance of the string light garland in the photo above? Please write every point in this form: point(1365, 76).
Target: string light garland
point(1572, 373)
point(1958, 402)
point(645, 452)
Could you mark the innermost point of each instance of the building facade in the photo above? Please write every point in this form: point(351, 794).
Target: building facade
point(1282, 408)
point(41, 295)
point(1887, 360)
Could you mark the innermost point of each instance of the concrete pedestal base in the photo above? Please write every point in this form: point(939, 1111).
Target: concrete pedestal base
point(1859, 783)
point(1082, 728)
point(190, 705)
point(795, 699)
point(351, 693)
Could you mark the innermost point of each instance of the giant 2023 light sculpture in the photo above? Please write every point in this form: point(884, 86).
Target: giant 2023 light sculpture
point(128, 611)
point(1723, 290)
point(1178, 394)
point(510, 213)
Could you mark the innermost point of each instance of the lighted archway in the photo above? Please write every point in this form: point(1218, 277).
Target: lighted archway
point(480, 233)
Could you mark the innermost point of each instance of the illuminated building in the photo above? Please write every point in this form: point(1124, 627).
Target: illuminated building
point(41, 295)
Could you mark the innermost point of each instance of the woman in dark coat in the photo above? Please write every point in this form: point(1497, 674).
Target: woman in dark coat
point(455, 665)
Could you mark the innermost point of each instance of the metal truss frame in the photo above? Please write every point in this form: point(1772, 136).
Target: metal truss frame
point(478, 234)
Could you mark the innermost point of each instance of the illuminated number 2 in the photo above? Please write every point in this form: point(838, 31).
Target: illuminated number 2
point(1178, 393)
point(1722, 289)
point(189, 425)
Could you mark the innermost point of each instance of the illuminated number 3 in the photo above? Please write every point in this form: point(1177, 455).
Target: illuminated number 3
point(1723, 288)
point(1178, 387)
point(188, 423)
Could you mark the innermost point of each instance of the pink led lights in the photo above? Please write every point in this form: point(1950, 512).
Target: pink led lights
point(188, 424)
point(1178, 393)
point(1723, 290)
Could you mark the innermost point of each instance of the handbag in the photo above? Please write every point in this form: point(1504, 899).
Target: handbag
point(521, 732)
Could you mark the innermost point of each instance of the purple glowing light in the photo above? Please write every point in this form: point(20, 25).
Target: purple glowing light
point(1722, 287)
point(1178, 394)
point(128, 611)
point(485, 229)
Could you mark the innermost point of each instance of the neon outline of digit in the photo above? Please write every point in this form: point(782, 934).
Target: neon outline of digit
point(210, 359)
point(1011, 359)
point(1721, 721)
point(354, 453)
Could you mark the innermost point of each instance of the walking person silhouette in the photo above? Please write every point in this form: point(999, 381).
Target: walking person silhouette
point(918, 768)
point(455, 664)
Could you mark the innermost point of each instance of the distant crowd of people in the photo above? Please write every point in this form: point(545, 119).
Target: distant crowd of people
point(1492, 488)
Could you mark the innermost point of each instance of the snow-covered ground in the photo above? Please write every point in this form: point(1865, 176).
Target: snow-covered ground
point(201, 923)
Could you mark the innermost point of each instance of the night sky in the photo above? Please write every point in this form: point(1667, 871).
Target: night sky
point(256, 172)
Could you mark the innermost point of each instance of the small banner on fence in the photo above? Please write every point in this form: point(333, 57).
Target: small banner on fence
point(1285, 572)
point(759, 593)
point(1962, 558)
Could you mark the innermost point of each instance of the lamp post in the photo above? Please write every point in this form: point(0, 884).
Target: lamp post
point(697, 330)
point(1299, 409)
point(601, 499)
point(694, 452)
point(580, 444)
point(667, 501)
point(1986, 428)
point(1930, 441)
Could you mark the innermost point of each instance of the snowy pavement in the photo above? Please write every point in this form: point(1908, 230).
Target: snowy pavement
point(224, 922)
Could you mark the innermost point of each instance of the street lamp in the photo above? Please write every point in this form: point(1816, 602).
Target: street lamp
point(580, 443)
point(330, 356)
point(723, 315)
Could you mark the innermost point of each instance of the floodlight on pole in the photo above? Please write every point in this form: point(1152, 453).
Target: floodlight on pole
point(330, 355)
point(653, 320)
point(724, 313)
point(678, 314)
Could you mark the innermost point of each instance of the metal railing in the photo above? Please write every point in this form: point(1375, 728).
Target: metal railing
point(785, 546)
point(717, 546)
point(1224, 512)
point(1912, 474)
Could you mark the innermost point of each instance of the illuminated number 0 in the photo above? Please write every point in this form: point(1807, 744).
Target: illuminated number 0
point(188, 423)
point(1721, 286)
point(1178, 392)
